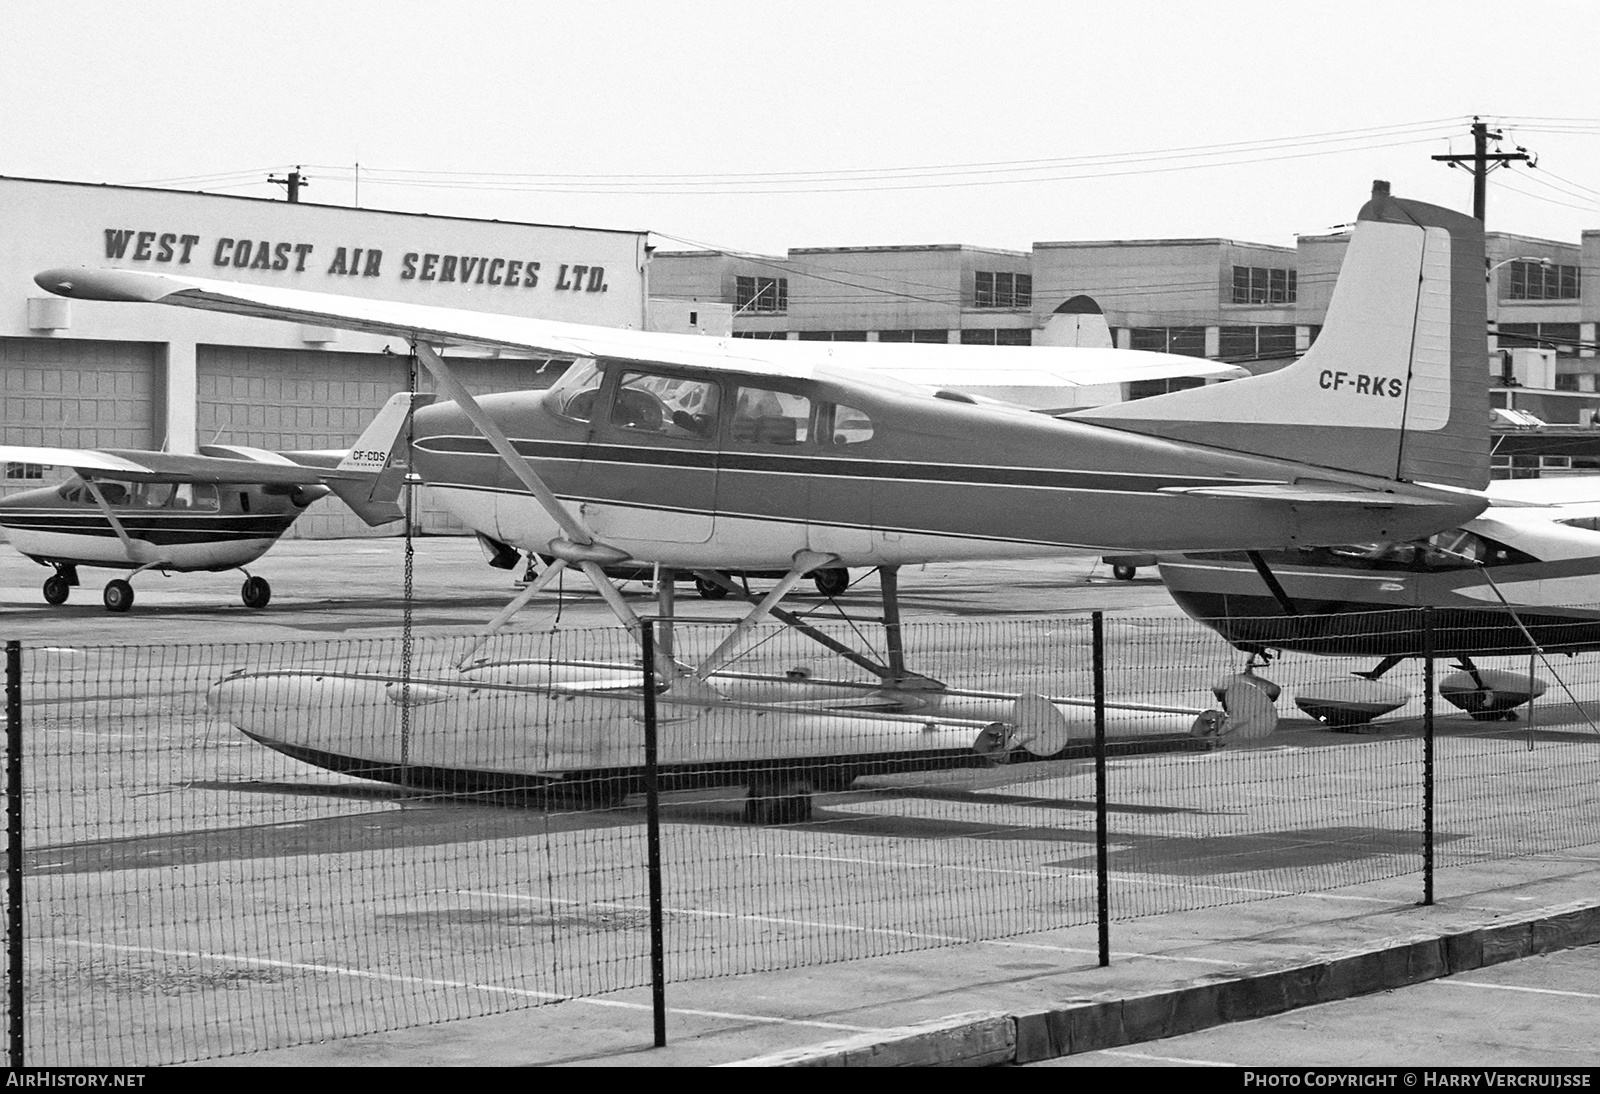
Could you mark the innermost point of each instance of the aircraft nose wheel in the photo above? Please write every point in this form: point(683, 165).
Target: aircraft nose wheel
point(256, 592)
point(56, 589)
point(118, 595)
point(832, 582)
point(709, 590)
point(1124, 573)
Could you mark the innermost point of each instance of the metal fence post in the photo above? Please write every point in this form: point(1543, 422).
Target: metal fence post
point(1101, 869)
point(1427, 756)
point(652, 797)
point(14, 851)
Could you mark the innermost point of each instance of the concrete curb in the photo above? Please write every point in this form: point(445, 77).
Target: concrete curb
point(1107, 1020)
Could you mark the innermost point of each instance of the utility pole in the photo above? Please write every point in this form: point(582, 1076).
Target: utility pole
point(292, 183)
point(1483, 161)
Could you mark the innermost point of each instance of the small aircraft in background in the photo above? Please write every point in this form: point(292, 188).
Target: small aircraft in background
point(738, 455)
point(1522, 577)
point(218, 510)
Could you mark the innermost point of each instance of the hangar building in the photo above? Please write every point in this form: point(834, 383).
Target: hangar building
point(90, 374)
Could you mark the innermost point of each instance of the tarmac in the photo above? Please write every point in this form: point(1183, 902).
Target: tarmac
point(1009, 1000)
point(1039, 996)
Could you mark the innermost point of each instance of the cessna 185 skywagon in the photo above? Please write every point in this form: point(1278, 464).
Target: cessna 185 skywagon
point(715, 455)
point(219, 510)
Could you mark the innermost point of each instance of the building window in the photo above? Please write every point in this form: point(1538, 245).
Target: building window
point(913, 336)
point(1542, 281)
point(1561, 337)
point(833, 336)
point(774, 334)
point(1002, 290)
point(1255, 342)
point(761, 294)
point(1143, 389)
point(24, 470)
point(1005, 336)
point(1188, 341)
point(1263, 285)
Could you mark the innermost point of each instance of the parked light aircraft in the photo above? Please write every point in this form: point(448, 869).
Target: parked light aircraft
point(218, 510)
point(743, 455)
point(1523, 576)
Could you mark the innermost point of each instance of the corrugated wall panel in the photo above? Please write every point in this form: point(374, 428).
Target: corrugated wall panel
point(75, 393)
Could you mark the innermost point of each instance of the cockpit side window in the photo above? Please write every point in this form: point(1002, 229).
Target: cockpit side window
point(846, 425)
point(667, 406)
point(767, 416)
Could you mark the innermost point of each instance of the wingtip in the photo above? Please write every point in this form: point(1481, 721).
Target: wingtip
point(88, 283)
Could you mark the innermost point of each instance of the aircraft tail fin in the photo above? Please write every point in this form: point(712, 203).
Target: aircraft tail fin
point(381, 452)
point(1396, 385)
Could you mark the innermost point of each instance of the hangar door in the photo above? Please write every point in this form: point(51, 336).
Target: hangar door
point(284, 399)
point(74, 393)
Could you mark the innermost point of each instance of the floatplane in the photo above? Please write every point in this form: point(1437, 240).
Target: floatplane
point(1522, 579)
point(714, 455)
point(219, 509)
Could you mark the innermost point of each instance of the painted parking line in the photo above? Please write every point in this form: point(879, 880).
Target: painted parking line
point(1125, 1054)
point(1115, 953)
point(1117, 879)
point(706, 913)
point(1514, 987)
point(435, 982)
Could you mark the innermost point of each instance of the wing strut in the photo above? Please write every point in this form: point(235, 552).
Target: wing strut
point(1274, 586)
point(136, 556)
point(804, 563)
point(581, 548)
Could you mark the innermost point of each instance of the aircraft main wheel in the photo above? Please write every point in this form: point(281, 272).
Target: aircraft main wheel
point(1124, 573)
point(782, 801)
point(832, 582)
point(118, 595)
point(256, 592)
point(709, 590)
point(56, 589)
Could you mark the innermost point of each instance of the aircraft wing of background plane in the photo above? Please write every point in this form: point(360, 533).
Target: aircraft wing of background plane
point(1037, 377)
point(216, 464)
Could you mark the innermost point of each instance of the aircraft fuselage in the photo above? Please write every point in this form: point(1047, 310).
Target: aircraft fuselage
point(1360, 599)
point(713, 468)
point(187, 527)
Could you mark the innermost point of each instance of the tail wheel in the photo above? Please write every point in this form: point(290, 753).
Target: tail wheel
point(256, 592)
point(56, 589)
point(831, 582)
point(1124, 573)
point(118, 595)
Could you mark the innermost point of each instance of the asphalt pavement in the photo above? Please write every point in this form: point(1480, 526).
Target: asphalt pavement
point(1025, 998)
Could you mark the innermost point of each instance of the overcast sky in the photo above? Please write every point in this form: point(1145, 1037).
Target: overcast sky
point(760, 126)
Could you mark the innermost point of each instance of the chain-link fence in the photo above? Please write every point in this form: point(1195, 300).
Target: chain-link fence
point(232, 848)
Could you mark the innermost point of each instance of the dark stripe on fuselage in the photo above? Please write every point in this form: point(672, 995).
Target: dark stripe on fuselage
point(160, 529)
point(707, 459)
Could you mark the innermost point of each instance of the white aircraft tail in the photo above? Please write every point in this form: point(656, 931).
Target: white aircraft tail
point(1396, 385)
point(381, 451)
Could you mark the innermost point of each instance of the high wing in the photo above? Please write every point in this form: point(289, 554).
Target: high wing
point(1039, 377)
point(135, 465)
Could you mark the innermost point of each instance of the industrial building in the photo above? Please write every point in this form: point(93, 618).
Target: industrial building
point(1253, 303)
point(99, 375)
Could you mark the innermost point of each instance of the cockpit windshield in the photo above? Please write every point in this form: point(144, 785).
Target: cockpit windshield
point(574, 394)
